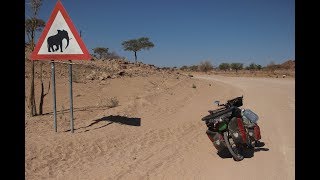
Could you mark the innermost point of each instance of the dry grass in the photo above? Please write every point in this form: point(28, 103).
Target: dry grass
point(75, 77)
point(109, 102)
point(257, 73)
point(113, 102)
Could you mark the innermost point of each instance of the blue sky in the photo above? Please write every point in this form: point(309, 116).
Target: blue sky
point(186, 32)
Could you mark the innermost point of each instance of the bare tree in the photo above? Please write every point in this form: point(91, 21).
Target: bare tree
point(205, 66)
point(32, 26)
point(42, 95)
point(273, 67)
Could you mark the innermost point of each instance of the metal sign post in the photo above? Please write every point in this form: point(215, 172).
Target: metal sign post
point(51, 46)
point(54, 96)
point(71, 96)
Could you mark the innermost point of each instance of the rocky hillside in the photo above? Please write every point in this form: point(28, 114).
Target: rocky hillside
point(290, 64)
point(97, 69)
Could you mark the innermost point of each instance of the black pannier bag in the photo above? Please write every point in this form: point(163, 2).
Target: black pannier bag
point(217, 140)
point(237, 130)
point(216, 114)
point(236, 101)
point(254, 132)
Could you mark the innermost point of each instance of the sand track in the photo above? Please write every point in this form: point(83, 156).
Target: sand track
point(170, 141)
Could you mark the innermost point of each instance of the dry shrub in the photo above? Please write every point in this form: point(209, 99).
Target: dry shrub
point(75, 77)
point(113, 102)
point(205, 66)
point(110, 102)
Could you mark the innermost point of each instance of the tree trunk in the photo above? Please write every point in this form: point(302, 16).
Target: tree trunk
point(42, 93)
point(32, 103)
point(135, 56)
point(35, 6)
point(41, 100)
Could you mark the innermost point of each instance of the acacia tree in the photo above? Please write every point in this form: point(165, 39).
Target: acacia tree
point(136, 45)
point(33, 25)
point(224, 66)
point(236, 66)
point(101, 51)
point(251, 67)
point(254, 66)
point(259, 67)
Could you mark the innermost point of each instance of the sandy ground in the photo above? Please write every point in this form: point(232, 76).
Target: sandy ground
point(156, 132)
point(274, 101)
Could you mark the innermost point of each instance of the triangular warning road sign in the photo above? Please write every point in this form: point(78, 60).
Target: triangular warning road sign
point(60, 39)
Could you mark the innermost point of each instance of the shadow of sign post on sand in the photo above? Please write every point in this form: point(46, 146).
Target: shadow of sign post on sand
point(122, 120)
point(113, 119)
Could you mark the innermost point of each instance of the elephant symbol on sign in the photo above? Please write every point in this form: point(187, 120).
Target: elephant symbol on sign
point(56, 40)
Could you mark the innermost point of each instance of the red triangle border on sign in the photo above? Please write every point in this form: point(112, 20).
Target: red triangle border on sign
point(36, 56)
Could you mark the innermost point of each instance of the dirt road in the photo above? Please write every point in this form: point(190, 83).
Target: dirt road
point(160, 134)
point(274, 101)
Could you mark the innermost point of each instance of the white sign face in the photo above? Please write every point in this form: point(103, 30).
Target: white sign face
point(57, 38)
